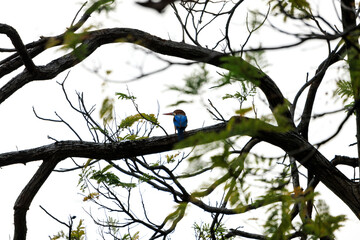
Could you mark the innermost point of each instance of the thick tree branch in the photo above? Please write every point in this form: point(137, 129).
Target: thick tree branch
point(235, 232)
point(19, 46)
point(25, 198)
point(348, 17)
point(314, 84)
point(290, 141)
point(344, 160)
point(13, 62)
point(107, 151)
point(95, 39)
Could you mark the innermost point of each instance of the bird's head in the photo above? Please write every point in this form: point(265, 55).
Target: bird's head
point(176, 112)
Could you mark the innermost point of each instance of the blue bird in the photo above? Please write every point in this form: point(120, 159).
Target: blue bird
point(180, 122)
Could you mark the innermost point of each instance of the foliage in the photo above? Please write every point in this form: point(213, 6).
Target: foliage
point(91, 196)
point(344, 89)
point(292, 8)
point(76, 234)
point(170, 158)
point(140, 119)
point(324, 224)
point(74, 41)
point(240, 70)
point(124, 96)
point(175, 217)
point(234, 178)
point(102, 176)
point(242, 96)
point(194, 84)
point(101, 5)
point(131, 120)
point(106, 111)
point(203, 231)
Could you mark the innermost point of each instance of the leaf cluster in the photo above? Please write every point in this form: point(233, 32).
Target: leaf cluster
point(324, 224)
point(239, 70)
point(131, 120)
point(345, 91)
point(101, 176)
point(124, 96)
point(106, 110)
point(203, 231)
point(102, 5)
point(175, 217)
point(279, 223)
point(76, 234)
point(292, 8)
point(109, 178)
point(75, 42)
point(193, 82)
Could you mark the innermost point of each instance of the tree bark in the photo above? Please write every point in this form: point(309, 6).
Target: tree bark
point(352, 46)
point(290, 141)
point(25, 198)
point(95, 39)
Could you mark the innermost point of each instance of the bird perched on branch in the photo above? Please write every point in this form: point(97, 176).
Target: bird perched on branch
point(180, 122)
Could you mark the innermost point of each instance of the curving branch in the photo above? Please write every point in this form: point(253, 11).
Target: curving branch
point(290, 141)
point(19, 46)
point(95, 39)
point(33, 49)
point(314, 83)
point(25, 198)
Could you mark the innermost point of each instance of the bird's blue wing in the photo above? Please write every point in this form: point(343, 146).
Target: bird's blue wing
point(180, 121)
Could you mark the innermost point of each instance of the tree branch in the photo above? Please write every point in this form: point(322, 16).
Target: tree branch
point(25, 198)
point(107, 151)
point(95, 39)
point(290, 141)
point(19, 46)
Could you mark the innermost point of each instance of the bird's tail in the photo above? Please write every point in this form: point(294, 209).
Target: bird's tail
point(180, 132)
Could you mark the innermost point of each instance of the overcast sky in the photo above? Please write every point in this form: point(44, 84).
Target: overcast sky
point(20, 129)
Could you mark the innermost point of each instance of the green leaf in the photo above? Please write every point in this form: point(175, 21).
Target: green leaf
point(171, 158)
point(146, 177)
point(243, 111)
point(293, 8)
point(344, 89)
point(193, 82)
point(177, 215)
point(124, 96)
point(240, 70)
point(324, 224)
point(130, 120)
point(106, 111)
point(109, 178)
point(79, 232)
point(178, 103)
point(203, 231)
point(75, 42)
point(101, 5)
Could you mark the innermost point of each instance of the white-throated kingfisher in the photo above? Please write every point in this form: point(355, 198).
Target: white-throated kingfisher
point(180, 122)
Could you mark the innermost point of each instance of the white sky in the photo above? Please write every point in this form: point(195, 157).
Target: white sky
point(20, 129)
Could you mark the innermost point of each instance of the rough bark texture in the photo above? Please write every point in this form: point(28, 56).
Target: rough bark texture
point(108, 151)
point(290, 141)
point(95, 39)
point(25, 198)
